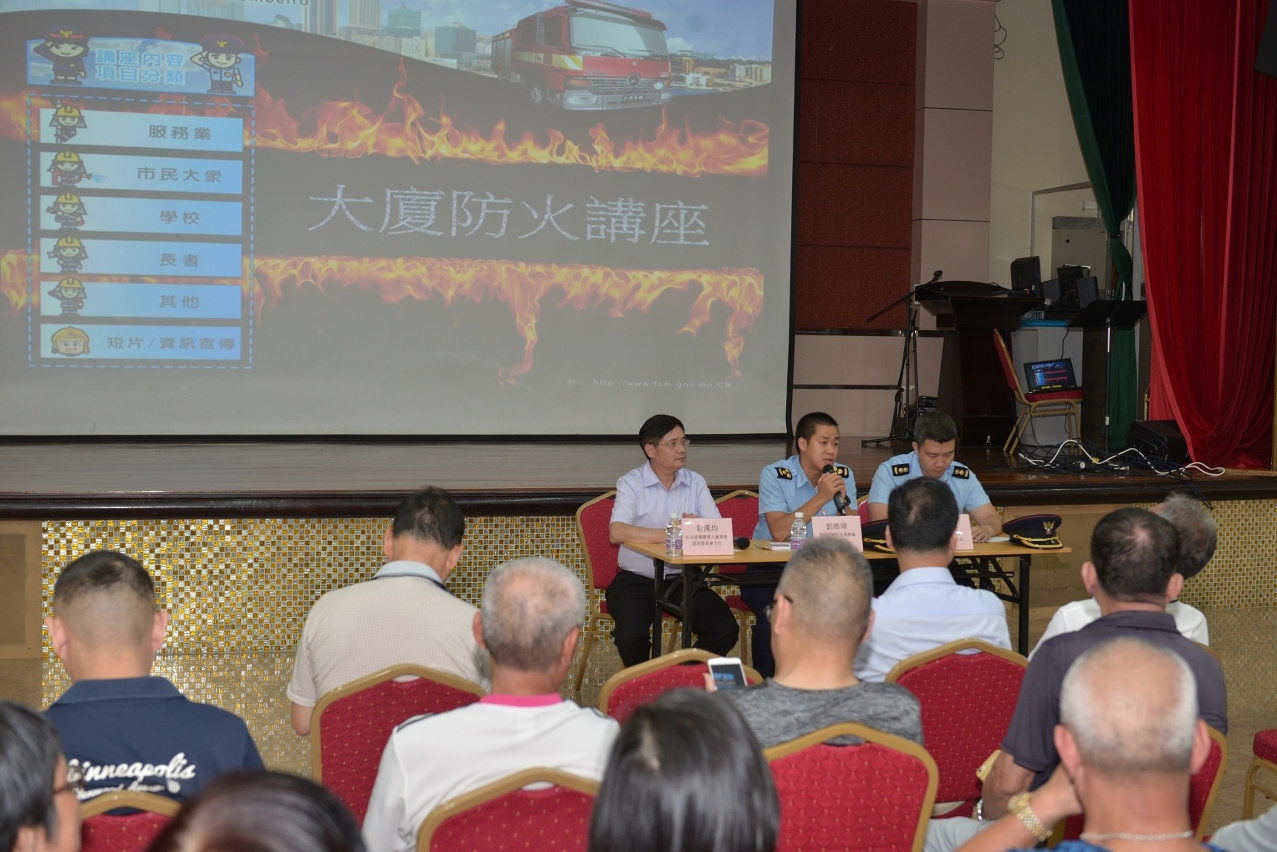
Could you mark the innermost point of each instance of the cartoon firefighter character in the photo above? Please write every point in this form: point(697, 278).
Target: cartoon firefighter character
point(70, 341)
point(67, 169)
point(66, 121)
point(220, 56)
point(69, 253)
point(65, 47)
point(70, 293)
point(68, 210)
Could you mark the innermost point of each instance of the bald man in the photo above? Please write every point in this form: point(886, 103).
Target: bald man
point(1129, 738)
point(121, 728)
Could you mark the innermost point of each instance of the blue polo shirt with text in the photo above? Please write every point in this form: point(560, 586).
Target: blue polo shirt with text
point(898, 470)
point(783, 487)
point(140, 734)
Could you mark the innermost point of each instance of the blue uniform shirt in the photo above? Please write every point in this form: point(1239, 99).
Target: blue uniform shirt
point(140, 734)
point(898, 470)
point(784, 487)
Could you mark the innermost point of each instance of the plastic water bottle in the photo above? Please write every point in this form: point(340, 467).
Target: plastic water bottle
point(797, 532)
point(674, 535)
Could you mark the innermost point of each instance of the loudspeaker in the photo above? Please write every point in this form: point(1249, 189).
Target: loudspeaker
point(1159, 439)
point(1026, 272)
point(1266, 59)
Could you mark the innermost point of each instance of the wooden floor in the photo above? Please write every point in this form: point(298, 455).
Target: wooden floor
point(176, 479)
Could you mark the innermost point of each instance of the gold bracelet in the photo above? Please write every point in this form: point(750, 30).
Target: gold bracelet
point(1019, 805)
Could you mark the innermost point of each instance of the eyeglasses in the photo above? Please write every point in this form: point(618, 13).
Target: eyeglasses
point(676, 443)
point(75, 781)
point(767, 610)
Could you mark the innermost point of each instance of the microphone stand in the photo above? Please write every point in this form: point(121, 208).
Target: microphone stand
point(906, 409)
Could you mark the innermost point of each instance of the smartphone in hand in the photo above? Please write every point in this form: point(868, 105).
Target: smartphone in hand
point(727, 672)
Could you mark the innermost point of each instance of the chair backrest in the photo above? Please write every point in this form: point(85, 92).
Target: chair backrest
point(133, 832)
point(877, 795)
point(1202, 789)
point(504, 816)
point(862, 509)
point(629, 688)
point(742, 508)
point(955, 688)
point(1008, 366)
point(352, 724)
point(592, 522)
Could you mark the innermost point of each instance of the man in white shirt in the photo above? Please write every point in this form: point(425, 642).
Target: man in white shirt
point(924, 608)
point(529, 622)
point(645, 499)
point(1198, 536)
point(404, 614)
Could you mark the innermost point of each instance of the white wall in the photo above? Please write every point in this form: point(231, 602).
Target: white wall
point(1034, 144)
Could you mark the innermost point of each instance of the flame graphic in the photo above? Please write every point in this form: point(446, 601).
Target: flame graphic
point(404, 129)
point(524, 286)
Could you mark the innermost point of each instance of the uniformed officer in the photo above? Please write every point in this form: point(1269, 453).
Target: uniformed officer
point(796, 484)
point(936, 438)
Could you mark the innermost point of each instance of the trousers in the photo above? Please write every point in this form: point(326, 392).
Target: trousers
point(631, 601)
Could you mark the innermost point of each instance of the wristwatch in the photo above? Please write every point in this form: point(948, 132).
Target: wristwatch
point(1019, 805)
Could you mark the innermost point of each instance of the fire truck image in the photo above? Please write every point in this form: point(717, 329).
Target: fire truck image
point(587, 54)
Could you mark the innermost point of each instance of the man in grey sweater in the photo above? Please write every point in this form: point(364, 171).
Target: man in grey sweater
point(819, 617)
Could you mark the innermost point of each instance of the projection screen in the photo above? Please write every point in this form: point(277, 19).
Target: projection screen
point(423, 217)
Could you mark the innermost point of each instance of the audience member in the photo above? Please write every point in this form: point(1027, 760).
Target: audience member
point(1197, 538)
point(1129, 738)
point(121, 728)
point(1133, 572)
point(646, 497)
point(404, 614)
point(1249, 835)
point(820, 615)
point(935, 442)
point(262, 812)
point(924, 607)
point(686, 774)
point(811, 482)
point(530, 621)
point(38, 809)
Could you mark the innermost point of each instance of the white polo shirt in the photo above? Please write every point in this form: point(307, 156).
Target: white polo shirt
point(434, 758)
point(1189, 620)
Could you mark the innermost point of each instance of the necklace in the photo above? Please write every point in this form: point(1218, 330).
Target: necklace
point(1122, 835)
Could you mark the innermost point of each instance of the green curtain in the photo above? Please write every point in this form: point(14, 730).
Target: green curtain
point(1095, 52)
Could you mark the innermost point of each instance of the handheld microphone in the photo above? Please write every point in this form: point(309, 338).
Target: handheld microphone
point(840, 500)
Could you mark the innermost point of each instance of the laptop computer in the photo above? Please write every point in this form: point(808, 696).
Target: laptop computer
point(1050, 375)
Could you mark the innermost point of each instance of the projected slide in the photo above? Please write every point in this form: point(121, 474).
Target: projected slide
point(416, 217)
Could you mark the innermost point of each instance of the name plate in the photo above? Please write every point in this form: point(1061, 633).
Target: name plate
point(966, 543)
point(707, 537)
point(847, 527)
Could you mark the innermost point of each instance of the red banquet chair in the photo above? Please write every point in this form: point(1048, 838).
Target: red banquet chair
point(1202, 789)
point(1265, 749)
point(1038, 404)
point(742, 508)
point(629, 688)
point(504, 816)
point(967, 703)
point(592, 522)
point(133, 832)
point(353, 723)
point(877, 795)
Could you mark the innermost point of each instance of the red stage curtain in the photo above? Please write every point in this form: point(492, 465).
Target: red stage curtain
point(1206, 161)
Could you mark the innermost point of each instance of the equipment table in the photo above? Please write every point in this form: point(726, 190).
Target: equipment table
point(701, 570)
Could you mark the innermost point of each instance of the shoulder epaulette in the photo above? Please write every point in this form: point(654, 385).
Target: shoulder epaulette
point(784, 473)
point(900, 469)
point(961, 472)
point(842, 470)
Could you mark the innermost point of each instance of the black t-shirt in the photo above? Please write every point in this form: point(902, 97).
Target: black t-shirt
point(141, 734)
point(1030, 739)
